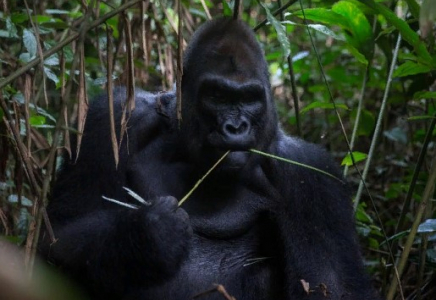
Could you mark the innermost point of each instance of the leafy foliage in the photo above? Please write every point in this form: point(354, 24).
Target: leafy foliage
point(52, 54)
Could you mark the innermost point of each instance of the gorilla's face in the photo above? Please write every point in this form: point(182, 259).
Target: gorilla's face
point(227, 101)
point(232, 115)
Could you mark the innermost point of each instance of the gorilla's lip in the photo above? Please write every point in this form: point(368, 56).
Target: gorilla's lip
point(216, 140)
point(236, 159)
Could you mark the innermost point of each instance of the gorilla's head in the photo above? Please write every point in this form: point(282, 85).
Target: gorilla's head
point(226, 94)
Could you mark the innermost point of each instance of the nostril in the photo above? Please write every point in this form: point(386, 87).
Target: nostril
point(236, 128)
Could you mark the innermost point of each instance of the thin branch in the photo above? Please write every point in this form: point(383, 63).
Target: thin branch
point(203, 178)
point(275, 13)
point(427, 195)
point(378, 124)
point(33, 63)
point(179, 62)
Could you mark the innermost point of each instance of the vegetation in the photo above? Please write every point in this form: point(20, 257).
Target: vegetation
point(355, 76)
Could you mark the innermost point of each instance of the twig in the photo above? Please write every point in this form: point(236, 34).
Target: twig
point(65, 42)
point(428, 192)
point(293, 82)
point(202, 178)
point(378, 124)
point(179, 63)
point(218, 288)
point(275, 13)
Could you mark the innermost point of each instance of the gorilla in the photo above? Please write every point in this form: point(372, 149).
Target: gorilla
point(259, 227)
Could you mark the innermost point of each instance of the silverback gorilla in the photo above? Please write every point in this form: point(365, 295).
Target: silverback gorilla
point(258, 226)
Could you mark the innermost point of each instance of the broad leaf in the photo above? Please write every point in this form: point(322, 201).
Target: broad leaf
point(358, 156)
point(29, 41)
point(359, 33)
point(427, 226)
point(424, 95)
point(411, 68)
point(281, 32)
point(407, 33)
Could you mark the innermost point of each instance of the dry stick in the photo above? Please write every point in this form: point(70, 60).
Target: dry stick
point(428, 192)
point(236, 9)
point(293, 83)
point(179, 63)
point(35, 225)
point(83, 104)
point(416, 172)
point(359, 106)
point(129, 104)
point(110, 95)
point(275, 13)
point(218, 288)
point(378, 124)
point(206, 10)
point(358, 114)
point(38, 45)
point(202, 178)
point(25, 159)
point(65, 42)
point(420, 161)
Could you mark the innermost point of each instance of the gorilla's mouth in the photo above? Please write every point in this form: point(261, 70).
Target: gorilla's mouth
point(236, 159)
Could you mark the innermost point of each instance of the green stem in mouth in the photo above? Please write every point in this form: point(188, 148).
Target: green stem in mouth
point(202, 178)
point(295, 163)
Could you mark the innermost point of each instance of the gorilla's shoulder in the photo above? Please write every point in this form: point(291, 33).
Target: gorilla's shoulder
point(307, 153)
point(145, 102)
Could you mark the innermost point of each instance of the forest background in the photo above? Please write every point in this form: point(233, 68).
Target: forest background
point(355, 76)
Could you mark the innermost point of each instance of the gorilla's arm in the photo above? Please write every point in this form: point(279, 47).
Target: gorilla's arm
point(317, 228)
point(123, 246)
point(97, 239)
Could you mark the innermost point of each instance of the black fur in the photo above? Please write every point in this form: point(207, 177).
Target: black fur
point(256, 225)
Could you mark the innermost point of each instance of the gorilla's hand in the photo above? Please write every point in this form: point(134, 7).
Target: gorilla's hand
point(167, 233)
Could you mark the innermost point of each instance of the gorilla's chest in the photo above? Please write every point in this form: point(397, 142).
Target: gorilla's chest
point(248, 267)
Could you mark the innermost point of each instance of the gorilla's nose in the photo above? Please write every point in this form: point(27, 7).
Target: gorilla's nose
point(237, 132)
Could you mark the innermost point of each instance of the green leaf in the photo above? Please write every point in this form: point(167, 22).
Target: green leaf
point(18, 18)
point(52, 76)
point(366, 123)
point(29, 41)
point(419, 118)
point(424, 95)
point(362, 216)
point(350, 18)
point(396, 236)
point(414, 8)
point(322, 105)
point(52, 61)
point(320, 28)
point(360, 57)
point(11, 28)
point(227, 8)
point(407, 33)
point(427, 226)
point(411, 68)
point(281, 32)
point(359, 33)
point(322, 15)
point(4, 33)
point(37, 120)
point(326, 31)
point(57, 12)
point(24, 201)
point(358, 156)
point(25, 57)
